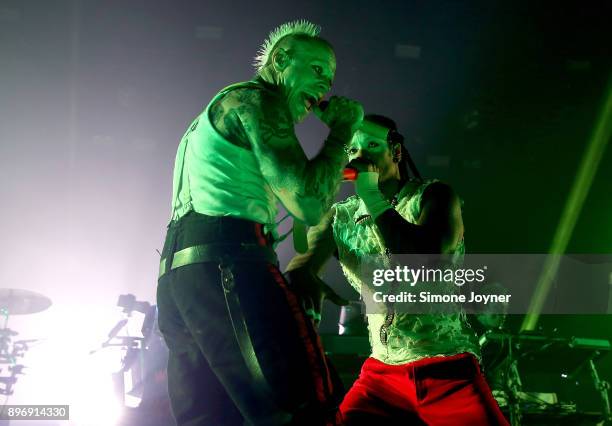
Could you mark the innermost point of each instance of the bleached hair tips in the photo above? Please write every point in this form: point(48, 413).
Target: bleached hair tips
point(301, 27)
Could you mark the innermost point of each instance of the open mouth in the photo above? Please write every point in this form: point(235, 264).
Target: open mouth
point(309, 101)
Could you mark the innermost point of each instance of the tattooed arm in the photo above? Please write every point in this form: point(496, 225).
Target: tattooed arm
point(259, 119)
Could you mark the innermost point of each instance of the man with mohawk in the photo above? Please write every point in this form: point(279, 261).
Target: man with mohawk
point(242, 350)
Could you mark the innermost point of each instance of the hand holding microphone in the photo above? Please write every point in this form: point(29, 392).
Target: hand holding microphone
point(343, 116)
point(357, 165)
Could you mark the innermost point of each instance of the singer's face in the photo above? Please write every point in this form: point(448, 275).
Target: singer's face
point(307, 77)
point(377, 150)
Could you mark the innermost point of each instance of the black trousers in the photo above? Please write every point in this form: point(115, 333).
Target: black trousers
point(209, 382)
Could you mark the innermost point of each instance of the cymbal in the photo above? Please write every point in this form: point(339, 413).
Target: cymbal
point(22, 302)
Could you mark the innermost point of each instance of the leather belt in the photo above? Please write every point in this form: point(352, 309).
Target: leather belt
point(216, 252)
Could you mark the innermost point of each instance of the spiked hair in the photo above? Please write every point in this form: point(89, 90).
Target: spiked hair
point(299, 27)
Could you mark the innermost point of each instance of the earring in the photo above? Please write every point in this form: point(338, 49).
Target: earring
point(396, 159)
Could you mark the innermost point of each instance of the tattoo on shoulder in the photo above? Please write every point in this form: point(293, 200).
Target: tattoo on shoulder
point(227, 123)
point(266, 111)
point(241, 111)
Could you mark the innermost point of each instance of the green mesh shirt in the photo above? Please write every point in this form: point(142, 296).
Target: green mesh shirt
point(408, 337)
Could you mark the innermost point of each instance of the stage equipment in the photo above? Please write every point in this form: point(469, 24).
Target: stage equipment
point(526, 370)
point(15, 302)
point(142, 377)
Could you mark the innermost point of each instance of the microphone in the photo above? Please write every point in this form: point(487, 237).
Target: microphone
point(350, 172)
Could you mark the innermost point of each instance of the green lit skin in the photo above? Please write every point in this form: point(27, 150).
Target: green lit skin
point(263, 121)
point(440, 210)
point(320, 237)
point(300, 69)
point(377, 150)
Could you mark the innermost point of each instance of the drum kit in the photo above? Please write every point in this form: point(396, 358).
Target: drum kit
point(15, 302)
point(144, 359)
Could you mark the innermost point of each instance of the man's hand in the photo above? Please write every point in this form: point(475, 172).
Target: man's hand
point(366, 187)
point(313, 290)
point(343, 116)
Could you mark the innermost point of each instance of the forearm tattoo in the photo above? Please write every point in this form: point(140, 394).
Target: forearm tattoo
point(323, 174)
point(262, 120)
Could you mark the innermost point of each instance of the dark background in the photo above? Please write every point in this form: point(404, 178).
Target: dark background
point(500, 99)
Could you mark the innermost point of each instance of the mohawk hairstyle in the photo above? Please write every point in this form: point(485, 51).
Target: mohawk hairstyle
point(301, 27)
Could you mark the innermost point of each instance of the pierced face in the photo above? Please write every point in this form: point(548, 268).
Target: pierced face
point(308, 76)
point(377, 150)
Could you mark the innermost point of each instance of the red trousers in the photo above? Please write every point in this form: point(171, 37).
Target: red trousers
point(437, 391)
